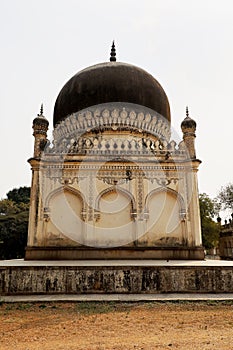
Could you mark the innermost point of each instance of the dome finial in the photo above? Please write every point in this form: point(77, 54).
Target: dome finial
point(41, 110)
point(113, 53)
point(187, 111)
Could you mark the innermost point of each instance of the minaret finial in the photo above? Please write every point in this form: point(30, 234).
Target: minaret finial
point(41, 109)
point(113, 53)
point(187, 111)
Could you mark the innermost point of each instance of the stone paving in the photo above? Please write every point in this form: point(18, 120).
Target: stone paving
point(117, 297)
point(206, 262)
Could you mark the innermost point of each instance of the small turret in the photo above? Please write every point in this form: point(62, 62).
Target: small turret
point(188, 127)
point(40, 127)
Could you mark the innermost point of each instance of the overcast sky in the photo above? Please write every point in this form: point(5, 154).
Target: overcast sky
point(186, 45)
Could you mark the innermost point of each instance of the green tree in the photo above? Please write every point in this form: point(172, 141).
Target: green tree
point(19, 195)
point(8, 207)
point(209, 228)
point(14, 213)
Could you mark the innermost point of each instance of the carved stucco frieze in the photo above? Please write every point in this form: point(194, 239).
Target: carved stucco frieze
point(108, 117)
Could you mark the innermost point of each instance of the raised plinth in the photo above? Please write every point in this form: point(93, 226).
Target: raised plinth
point(19, 277)
point(85, 253)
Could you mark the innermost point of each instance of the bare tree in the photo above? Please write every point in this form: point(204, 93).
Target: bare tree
point(225, 197)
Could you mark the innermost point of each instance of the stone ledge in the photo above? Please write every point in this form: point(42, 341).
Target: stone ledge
point(87, 280)
point(84, 253)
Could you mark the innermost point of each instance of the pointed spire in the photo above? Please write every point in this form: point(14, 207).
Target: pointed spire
point(40, 118)
point(41, 110)
point(188, 123)
point(113, 53)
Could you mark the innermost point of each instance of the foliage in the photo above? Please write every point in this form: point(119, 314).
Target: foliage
point(14, 213)
point(209, 228)
point(8, 207)
point(19, 195)
point(207, 206)
point(225, 197)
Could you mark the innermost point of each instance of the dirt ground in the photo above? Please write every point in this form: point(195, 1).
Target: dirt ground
point(116, 326)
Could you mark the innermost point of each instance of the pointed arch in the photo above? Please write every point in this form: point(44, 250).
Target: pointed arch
point(166, 216)
point(169, 191)
point(64, 189)
point(116, 189)
point(65, 215)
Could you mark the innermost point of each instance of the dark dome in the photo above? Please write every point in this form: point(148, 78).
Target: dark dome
point(110, 82)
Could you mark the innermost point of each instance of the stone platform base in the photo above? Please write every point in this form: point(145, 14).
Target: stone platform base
point(18, 277)
point(84, 253)
point(168, 297)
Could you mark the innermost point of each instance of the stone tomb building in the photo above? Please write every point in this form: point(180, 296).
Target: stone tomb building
point(112, 184)
point(226, 239)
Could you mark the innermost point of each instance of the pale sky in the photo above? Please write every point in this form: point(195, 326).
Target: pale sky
point(186, 45)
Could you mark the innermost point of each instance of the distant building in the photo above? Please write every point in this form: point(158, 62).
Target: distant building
point(112, 184)
point(226, 240)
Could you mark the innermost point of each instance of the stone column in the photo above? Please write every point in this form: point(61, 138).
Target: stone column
point(34, 201)
point(194, 206)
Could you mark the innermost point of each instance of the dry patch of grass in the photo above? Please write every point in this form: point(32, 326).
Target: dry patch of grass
point(116, 326)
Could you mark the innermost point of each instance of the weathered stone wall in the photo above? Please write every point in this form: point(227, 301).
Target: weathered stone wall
point(115, 279)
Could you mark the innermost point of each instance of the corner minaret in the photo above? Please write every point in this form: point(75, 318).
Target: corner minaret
point(40, 127)
point(188, 127)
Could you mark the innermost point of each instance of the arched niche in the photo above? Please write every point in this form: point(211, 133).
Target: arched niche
point(65, 208)
point(115, 207)
point(166, 213)
point(115, 225)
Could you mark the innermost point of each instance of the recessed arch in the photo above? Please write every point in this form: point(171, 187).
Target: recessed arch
point(64, 189)
point(116, 189)
point(65, 215)
point(115, 223)
point(165, 210)
point(169, 191)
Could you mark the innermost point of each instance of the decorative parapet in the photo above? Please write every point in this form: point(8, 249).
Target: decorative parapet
point(132, 145)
